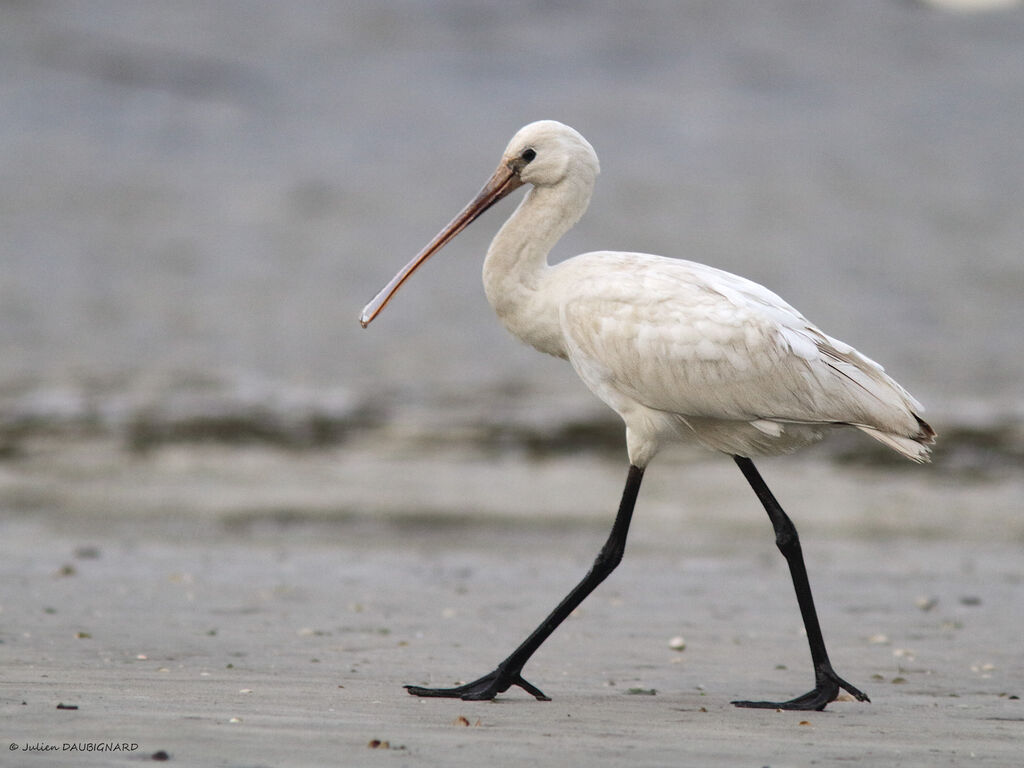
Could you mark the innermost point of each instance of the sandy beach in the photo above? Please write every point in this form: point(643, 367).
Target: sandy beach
point(273, 637)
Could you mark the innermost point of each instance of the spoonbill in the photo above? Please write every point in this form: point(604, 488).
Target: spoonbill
point(681, 351)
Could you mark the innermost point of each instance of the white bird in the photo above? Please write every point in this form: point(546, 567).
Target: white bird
point(681, 351)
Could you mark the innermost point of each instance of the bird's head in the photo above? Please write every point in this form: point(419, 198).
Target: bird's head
point(545, 154)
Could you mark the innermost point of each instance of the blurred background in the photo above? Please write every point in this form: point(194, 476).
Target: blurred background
point(199, 198)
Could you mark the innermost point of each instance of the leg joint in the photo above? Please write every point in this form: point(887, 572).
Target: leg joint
point(609, 558)
point(786, 538)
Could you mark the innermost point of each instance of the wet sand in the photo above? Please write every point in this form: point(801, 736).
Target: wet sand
point(252, 634)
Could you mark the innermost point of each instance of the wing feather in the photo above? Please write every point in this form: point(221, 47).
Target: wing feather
point(692, 340)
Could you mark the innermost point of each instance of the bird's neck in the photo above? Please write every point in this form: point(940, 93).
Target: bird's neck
point(516, 266)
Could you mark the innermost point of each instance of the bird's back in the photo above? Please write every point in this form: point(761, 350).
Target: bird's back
point(726, 359)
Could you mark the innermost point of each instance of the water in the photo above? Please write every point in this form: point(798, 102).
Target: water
point(199, 198)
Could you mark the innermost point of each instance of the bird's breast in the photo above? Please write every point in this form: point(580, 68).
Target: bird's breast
point(531, 316)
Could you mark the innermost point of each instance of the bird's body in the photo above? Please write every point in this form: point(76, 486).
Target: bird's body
point(684, 351)
point(680, 350)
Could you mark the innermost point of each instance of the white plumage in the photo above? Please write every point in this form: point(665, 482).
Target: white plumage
point(681, 351)
point(725, 360)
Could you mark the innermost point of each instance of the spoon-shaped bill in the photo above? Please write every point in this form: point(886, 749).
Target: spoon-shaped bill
point(504, 180)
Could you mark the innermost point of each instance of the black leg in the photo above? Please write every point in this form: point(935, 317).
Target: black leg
point(509, 672)
point(826, 682)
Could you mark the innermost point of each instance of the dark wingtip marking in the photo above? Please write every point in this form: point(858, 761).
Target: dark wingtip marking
point(927, 435)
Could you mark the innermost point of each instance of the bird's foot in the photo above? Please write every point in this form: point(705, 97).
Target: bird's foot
point(484, 689)
point(826, 690)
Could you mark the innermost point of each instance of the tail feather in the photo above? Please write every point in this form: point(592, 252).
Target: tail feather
point(914, 447)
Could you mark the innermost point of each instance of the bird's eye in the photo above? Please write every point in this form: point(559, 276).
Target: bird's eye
point(528, 154)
